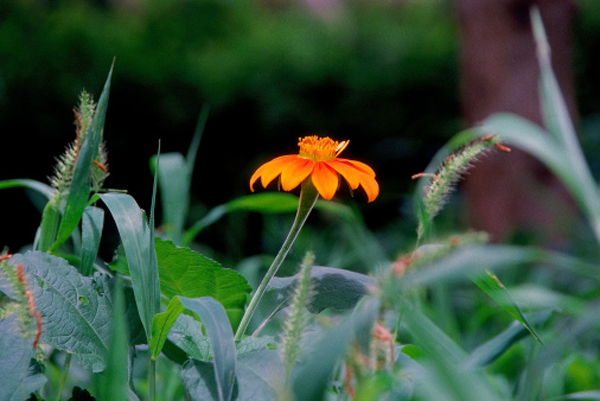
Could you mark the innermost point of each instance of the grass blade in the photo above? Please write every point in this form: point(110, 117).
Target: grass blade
point(91, 232)
point(142, 264)
point(220, 336)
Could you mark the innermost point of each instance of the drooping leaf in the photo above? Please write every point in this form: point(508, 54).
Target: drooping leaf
point(220, 337)
point(79, 191)
point(492, 286)
point(40, 187)
point(189, 274)
point(76, 310)
point(135, 237)
point(92, 224)
point(16, 352)
point(333, 288)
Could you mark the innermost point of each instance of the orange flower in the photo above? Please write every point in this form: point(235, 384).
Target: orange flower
point(318, 158)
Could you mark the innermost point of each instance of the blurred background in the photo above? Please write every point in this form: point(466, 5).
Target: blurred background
point(388, 75)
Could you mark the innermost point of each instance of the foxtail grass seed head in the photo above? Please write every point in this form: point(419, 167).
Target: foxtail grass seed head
point(452, 170)
point(65, 164)
point(297, 317)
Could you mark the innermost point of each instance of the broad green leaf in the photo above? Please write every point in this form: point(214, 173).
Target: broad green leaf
point(79, 191)
point(76, 310)
point(135, 237)
point(220, 336)
point(260, 377)
point(187, 334)
point(16, 353)
point(161, 325)
point(189, 274)
point(113, 381)
point(92, 224)
point(492, 286)
point(333, 288)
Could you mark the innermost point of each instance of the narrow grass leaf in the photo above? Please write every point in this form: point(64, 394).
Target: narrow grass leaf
point(134, 233)
point(92, 224)
point(161, 325)
point(113, 381)
point(489, 351)
point(40, 187)
point(220, 335)
point(76, 310)
point(48, 228)
point(174, 181)
point(492, 286)
point(79, 191)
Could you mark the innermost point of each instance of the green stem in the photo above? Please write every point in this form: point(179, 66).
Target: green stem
point(151, 380)
point(308, 197)
point(63, 376)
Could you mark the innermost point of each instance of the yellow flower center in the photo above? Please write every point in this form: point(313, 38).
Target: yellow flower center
point(317, 148)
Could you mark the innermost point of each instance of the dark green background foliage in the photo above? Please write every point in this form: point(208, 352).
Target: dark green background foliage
point(384, 75)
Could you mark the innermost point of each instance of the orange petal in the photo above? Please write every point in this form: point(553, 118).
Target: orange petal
point(325, 180)
point(348, 171)
point(370, 186)
point(360, 165)
point(295, 172)
point(268, 171)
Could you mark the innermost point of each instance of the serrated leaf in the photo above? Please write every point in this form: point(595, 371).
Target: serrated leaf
point(79, 190)
point(16, 352)
point(76, 310)
point(220, 336)
point(333, 288)
point(189, 274)
point(92, 224)
point(135, 237)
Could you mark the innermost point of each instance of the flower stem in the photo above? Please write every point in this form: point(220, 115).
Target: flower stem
point(308, 197)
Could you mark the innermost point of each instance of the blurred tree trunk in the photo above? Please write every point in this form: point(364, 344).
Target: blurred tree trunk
point(508, 193)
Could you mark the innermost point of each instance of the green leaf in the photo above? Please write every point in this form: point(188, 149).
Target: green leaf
point(266, 203)
point(174, 181)
point(135, 236)
point(161, 325)
point(189, 274)
point(491, 285)
point(333, 288)
point(220, 336)
point(76, 310)
point(48, 228)
point(312, 375)
point(79, 191)
point(43, 189)
point(92, 224)
point(260, 377)
point(16, 352)
point(489, 351)
point(113, 381)
point(187, 334)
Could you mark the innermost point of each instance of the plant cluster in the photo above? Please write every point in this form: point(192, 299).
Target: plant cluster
point(450, 319)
